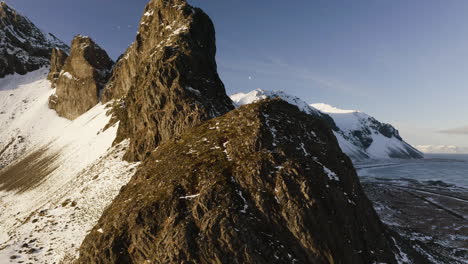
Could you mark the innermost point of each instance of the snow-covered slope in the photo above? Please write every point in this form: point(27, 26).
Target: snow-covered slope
point(379, 140)
point(359, 135)
point(56, 175)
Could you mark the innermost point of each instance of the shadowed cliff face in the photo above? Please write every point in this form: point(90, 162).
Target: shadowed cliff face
point(23, 47)
point(57, 61)
point(264, 183)
point(83, 75)
point(167, 81)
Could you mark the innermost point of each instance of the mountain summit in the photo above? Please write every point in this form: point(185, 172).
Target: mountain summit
point(23, 46)
point(81, 78)
point(167, 80)
point(265, 183)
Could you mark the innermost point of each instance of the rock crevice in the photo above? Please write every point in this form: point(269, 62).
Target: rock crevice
point(57, 61)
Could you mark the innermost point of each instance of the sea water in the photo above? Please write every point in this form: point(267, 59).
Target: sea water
point(448, 168)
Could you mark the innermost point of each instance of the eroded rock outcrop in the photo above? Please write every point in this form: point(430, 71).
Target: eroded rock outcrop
point(23, 46)
point(84, 74)
point(167, 80)
point(57, 61)
point(265, 183)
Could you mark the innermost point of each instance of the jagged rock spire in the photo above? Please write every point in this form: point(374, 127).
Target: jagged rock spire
point(83, 75)
point(167, 80)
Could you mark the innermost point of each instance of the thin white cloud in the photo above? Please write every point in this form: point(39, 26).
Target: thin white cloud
point(456, 131)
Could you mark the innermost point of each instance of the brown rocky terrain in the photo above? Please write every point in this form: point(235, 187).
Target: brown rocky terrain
point(23, 47)
point(81, 78)
point(168, 77)
point(57, 61)
point(265, 183)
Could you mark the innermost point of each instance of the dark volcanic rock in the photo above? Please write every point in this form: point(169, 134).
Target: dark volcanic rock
point(265, 183)
point(57, 61)
point(85, 72)
point(177, 85)
point(23, 47)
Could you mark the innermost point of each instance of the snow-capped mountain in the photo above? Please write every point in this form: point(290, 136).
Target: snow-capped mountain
point(359, 135)
point(23, 46)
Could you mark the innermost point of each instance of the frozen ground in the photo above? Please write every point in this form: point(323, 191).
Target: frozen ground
point(425, 202)
point(56, 175)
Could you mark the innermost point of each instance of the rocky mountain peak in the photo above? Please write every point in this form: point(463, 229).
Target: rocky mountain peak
point(164, 21)
point(8, 13)
point(167, 80)
point(265, 183)
point(84, 47)
point(164, 25)
point(80, 79)
point(23, 46)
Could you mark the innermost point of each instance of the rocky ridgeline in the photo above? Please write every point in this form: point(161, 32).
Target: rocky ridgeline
point(167, 80)
point(265, 183)
point(23, 46)
point(81, 78)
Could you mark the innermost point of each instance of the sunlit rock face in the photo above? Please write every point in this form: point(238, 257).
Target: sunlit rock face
point(81, 78)
point(265, 183)
point(167, 81)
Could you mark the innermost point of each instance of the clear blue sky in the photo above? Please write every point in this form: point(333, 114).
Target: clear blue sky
point(404, 62)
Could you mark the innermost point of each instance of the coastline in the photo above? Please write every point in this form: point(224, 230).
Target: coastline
point(428, 216)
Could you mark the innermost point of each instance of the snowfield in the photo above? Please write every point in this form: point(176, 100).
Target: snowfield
point(56, 175)
point(360, 136)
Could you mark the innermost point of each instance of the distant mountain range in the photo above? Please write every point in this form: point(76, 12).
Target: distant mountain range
point(442, 149)
point(360, 135)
